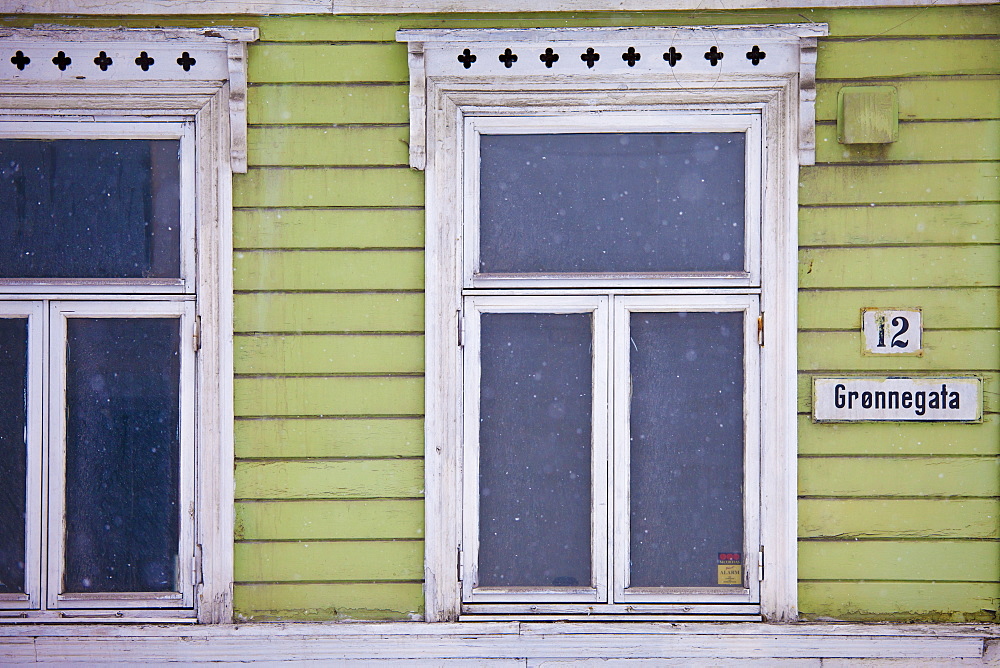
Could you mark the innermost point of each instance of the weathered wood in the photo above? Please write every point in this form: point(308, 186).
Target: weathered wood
point(325, 519)
point(902, 184)
point(900, 601)
point(899, 476)
point(318, 561)
point(295, 396)
point(885, 58)
point(322, 63)
point(374, 600)
point(945, 350)
point(328, 228)
point(880, 21)
point(317, 312)
point(965, 223)
point(991, 395)
point(336, 353)
point(329, 437)
point(902, 267)
point(841, 309)
point(961, 98)
point(910, 560)
point(899, 438)
point(326, 479)
point(951, 141)
point(328, 270)
point(898, 518)
point(316, 186)
point(282, 104)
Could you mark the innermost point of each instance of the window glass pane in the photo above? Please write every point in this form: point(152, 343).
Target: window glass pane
point(686, 447)
point(89, 208)
point(612, 202)
point(122, 454)
point(13, 451)
point(535, 450)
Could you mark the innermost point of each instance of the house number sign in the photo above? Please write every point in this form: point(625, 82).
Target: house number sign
point(891, 331)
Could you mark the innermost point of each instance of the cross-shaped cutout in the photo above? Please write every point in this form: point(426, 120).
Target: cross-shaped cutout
point(672, 56)
point(713, 55)
point(20, 60)
point(755, 55)
point(186, 61)
point(631, 56)
point(467, 58)
point(508, 58)
point(549, 57)
point(62, 61)
point(103, 61)
point(590, 57)
point(144, 61)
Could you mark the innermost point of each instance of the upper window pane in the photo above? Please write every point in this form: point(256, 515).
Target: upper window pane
point(89, 208)
point(640, 202)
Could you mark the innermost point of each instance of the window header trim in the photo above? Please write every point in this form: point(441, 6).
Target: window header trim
point(613, 59)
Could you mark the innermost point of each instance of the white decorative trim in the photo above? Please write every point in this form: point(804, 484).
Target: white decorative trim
point(787, 51)
point(265, 7)
point(134, 60)
point(588, 642)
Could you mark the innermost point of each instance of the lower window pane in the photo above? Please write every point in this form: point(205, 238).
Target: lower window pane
point(13, 451)
point(122, 454)
point(686, 450)
point(535, 450)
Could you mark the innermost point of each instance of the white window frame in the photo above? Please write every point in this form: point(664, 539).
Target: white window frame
point(615, 122)
point(443, 95)
point(60, 312)
point(204, 106)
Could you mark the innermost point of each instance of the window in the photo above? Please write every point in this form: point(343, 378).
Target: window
point(611, 435)
point(113, 331)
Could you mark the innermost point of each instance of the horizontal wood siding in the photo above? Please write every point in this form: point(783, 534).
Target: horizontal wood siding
point(900, 521)
point(897, 521)
point(329, 347)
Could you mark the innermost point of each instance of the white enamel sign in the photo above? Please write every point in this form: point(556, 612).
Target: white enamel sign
point(891, 331)
point(897, 399)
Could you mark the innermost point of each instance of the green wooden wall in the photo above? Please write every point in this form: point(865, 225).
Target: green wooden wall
point(897, 521)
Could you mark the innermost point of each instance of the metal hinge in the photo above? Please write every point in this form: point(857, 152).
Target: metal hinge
point(760, 330)
point(461, 328)
point(760, 564)
point(196, 335)
point(199, 576)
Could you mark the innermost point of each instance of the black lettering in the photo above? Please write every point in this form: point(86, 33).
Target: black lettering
point(866, 399)
point(907, 400)
point(921, 402)
point(896, 322)
point(838, 395)
point(953, 400)
point(880, 400)
point(932, 400)
point(851, 396)
point(893, 399)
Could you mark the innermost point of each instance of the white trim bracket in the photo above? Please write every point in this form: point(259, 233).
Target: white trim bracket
point(71, 59)
point(725, 56)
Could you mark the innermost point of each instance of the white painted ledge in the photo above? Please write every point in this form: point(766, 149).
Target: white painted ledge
point(265, 7)
point(684, 644)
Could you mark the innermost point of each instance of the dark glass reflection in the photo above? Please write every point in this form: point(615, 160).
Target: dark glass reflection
point(535, 450)
point(686, 446)
point(612, 202)
point(13, 451)
point(122, 454)
point(89, 208)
